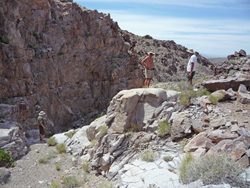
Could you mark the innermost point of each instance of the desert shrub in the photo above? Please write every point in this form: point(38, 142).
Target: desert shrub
point(184, 99)
point(183, 143)
point(148, 155)
point(61, 148)
point(167, 158)
point(36, 35)
point(211, 169)
point(60, 53)
point(164, 128)
point(85, 166)
point(215, 98)
point(70, 134)
point(93, 142)
point(51, 141)
point(106, 184)
point(70, 182)
point(103, 130)
point(133, 128)
point(6, 159)
point(54, 185)
point(201, 92)
point(43, 160)
point(58, 166)
point(5, 39)
point(51, 154)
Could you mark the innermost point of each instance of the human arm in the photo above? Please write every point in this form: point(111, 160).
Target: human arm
point(42, 125)
point(143, 62)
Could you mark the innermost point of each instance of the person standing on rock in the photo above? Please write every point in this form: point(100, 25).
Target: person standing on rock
point(148, 64)
point(191, 65)
point(42, 122)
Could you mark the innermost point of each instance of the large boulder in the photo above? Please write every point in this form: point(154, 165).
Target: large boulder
point(139, 107)
point(225, 84)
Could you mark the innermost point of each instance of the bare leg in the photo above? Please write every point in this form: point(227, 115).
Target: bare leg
point(149, 80)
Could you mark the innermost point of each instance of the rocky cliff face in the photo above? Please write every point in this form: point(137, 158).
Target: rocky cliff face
point(62, 58)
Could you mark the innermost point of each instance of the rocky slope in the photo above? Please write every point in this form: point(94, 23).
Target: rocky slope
point(170, 58)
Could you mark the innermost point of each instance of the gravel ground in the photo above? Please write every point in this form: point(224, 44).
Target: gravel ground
point(30, 173)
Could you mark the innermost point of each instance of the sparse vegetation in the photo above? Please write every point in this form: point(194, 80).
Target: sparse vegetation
point(164, 128)
point(36, 35)
point(106, 184)
point(60, 53)
point(215, 98)
point(70, 182)
point(85, 166)
point(148, 155)
point(61, 148)
point(51, 154)
point(211, 169)
point(93, 142)
point(103, 130)
point(70, 134)
point(167, 158)
point(51, 141)
point(43, 160)
point(58, 166)
point(5, 39)
point(183, 143)
point(6, 159)
point(133, 128)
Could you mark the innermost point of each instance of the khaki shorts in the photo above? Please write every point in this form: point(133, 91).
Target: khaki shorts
point(149, 73)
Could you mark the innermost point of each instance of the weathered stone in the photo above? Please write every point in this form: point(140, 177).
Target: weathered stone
point(216, 123)
point(218, 135)
point(225, 84)
point(181, 126)
point(243, 93)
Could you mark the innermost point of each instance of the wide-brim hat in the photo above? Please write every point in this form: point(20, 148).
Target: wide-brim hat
point(190, 50)
point(151, 53)
point(42, 113)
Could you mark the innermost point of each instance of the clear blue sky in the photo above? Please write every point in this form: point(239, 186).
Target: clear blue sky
point(214, 28)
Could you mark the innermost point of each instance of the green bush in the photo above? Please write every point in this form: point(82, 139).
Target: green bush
point(211, 169)
point(201, 92)
point(167, 158)
point(70, 134)
point(58, 166)
point(36, 35)
point(133, 128)
point(70, 182)
point(148, 155)
point(103, 130)
point(61, 148)
point(5, 39)
point(51, 154)
point(6, 159)
point(51, 141)
point(164, 128)
point(215, 98)
point(85, 166)
point(43, 160)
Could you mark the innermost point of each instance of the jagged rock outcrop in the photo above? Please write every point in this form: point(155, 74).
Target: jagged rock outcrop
point(117, 153)
point(237, 55)
point(229, 74)
point(61, 58)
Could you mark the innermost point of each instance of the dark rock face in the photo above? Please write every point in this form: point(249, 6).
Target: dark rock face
point(62, 58)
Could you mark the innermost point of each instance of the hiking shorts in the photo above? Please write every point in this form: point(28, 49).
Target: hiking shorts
point(41, 130)
point(192, 75)
point(149, 73)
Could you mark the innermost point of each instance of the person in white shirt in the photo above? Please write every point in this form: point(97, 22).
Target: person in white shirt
point(191, 65)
